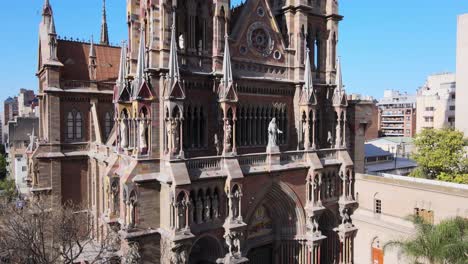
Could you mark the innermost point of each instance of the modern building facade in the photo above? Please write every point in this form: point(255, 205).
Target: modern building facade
point(21, 134)
point(461, 108)
point(217, 135)
point(10, 109)
point(397, 114)
point(435, 102)
point(385, 202)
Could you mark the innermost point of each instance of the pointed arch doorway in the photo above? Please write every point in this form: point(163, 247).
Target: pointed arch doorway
point(274, 226)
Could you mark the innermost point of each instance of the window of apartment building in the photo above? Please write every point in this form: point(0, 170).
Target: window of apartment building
point(451, 119)
point(377, 206)
point(453, 96)
point(431, 108)
point(452, 108)
point(408, 131)
point(429, 119)
point(426, 215)
point(408, 124)
point(24, 168)
point(408, 118)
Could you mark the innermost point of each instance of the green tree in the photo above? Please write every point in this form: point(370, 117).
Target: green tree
point(9, 189)
point(441, 155)
point(445, 243)
point(3, 167)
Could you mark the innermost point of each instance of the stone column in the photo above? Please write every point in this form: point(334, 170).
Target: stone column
point(314, 120)
point(338, 129)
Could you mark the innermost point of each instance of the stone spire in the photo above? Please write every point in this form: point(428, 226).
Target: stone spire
point(339, 96)
point(52, 26)
point(308, 94)
point(104, 30)
point(46, 9)
point(120, 91)
point(92, 50)
point(226, 87)
point(92, 62)
point(140, 70)
point(173, 60)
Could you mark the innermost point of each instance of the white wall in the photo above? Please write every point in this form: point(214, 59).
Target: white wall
point(399, 196)
point(461, 115)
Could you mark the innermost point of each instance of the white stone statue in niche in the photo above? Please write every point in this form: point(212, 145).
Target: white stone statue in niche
point(227, 136)
point(123, 133)
point(273, 132)
point(143, 127)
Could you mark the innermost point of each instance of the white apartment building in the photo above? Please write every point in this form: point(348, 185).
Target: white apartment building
point(397, 114)
point(461, 113)
point(435, 102)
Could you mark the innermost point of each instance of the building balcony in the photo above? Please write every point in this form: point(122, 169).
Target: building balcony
point(394, 121)
point(220, 166)
point(394, 114)
point(393, 127)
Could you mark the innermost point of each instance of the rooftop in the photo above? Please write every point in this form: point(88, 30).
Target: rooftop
point(75, 56)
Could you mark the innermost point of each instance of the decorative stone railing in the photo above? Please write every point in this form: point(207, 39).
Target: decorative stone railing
point(327, 154)
point(292, 157)
point(252, 159)
point(204, 164)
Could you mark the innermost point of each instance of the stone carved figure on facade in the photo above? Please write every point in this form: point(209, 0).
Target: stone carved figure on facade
point(172, 135)
point(217, 144)
point(199, 210)
point(236, 198)
point(227, 136)
point(305, 133)
point(215, 206)
point(207, 208)
point(233, 242)
point(115, 196)
point(330, 139)
point(123, 133)
point(143, 127)
point(132, 211)
point(273, 132)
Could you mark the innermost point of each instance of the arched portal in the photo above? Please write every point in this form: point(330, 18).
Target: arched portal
point(274, 225)
point(330, 249)
point(205, 250)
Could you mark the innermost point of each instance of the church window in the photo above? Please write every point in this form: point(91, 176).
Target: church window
point(70, 125)
point(253, 122)
point(74, 125)
point(108, 124)
point(78, 126)
point(195, 127)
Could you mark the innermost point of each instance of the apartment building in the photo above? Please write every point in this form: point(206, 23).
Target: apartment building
point(435, 102)
point(397, 114)
point(462, 78)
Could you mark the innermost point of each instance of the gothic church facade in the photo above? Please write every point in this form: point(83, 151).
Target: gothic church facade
point(216, 134)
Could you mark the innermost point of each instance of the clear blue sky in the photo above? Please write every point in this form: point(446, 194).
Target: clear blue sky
point(383, 44)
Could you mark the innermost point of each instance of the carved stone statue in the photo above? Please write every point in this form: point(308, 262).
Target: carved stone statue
point(227, 136)
point(132, 212)
point(217, 144)
point(181, 42)
point(215, 206)
point(330, 139)
point(273, 132)
point(233, 242)
point(123, 133)
point(235, 203)
point(172, 135)
point(181, 215)
point(305, 132)
point(199, 210)
point(115, 196)
point(143, 127)
point(207, 208)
